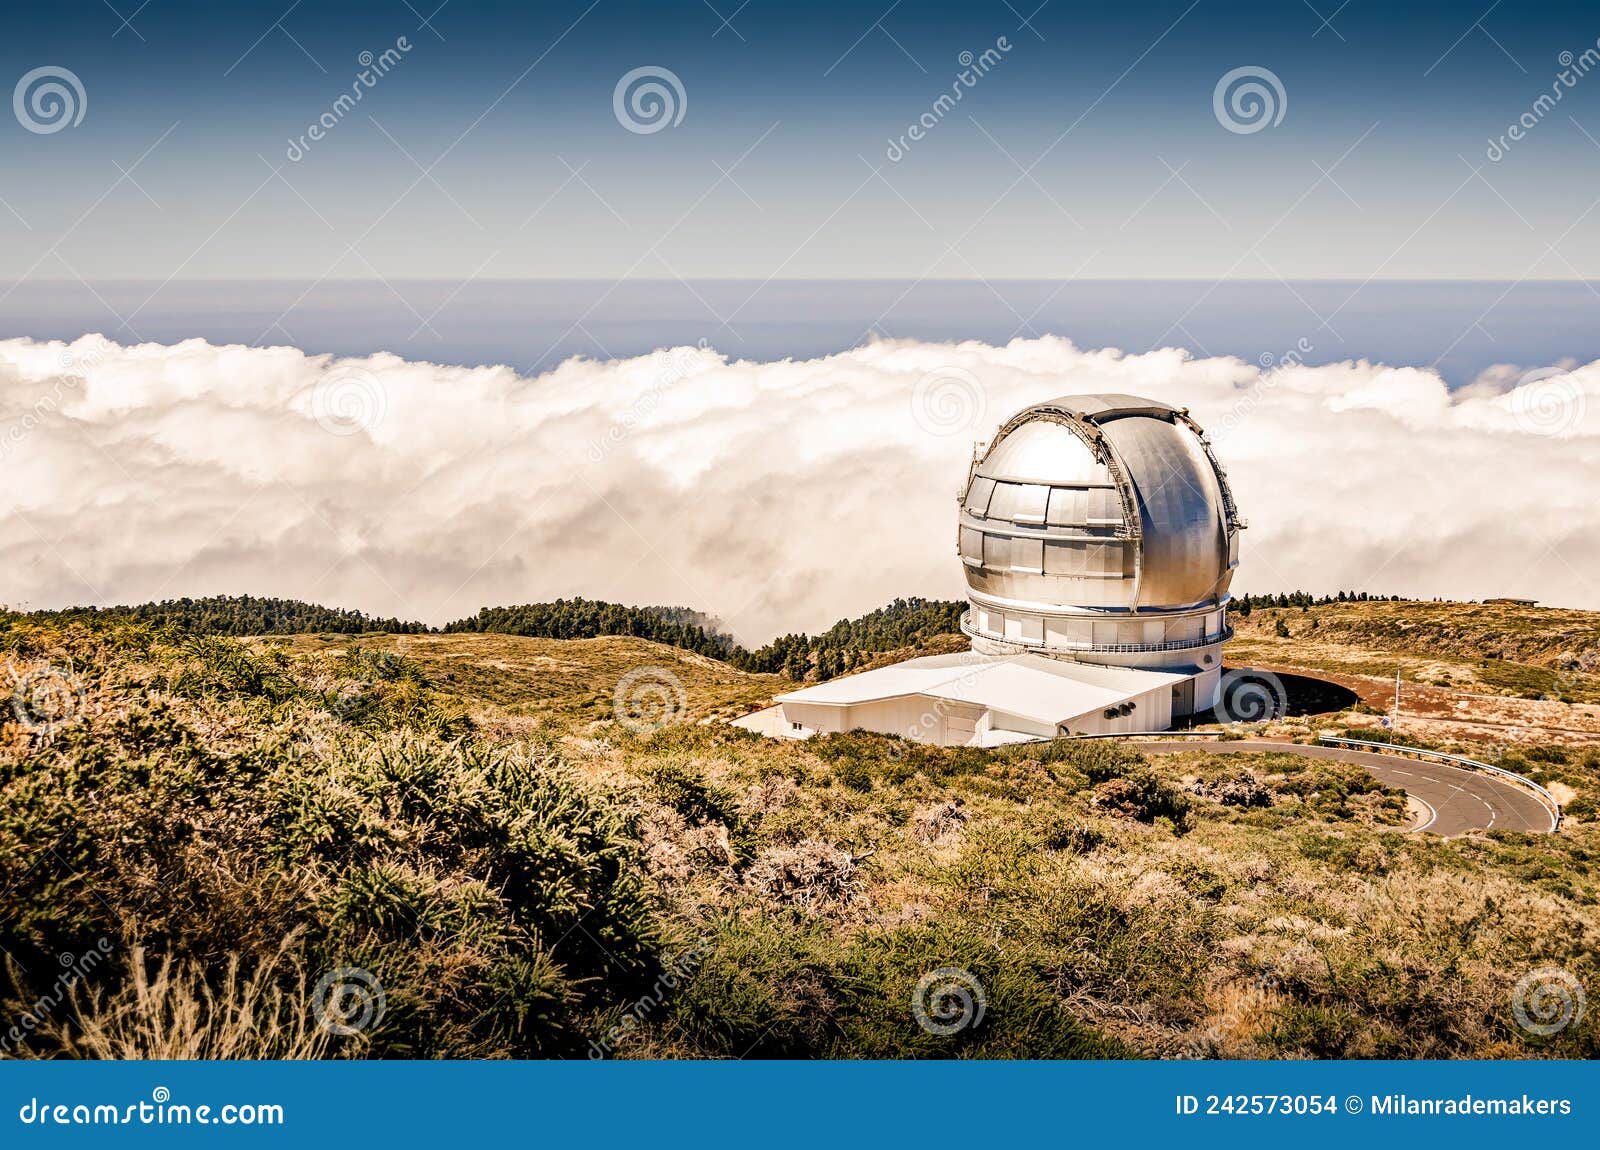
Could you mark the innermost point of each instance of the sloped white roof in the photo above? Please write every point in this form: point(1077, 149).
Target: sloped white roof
point(1032, 686)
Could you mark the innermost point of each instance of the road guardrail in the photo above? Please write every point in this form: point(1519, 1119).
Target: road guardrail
point(1462, 761)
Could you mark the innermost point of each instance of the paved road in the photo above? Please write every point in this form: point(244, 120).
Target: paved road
point(1461, 800)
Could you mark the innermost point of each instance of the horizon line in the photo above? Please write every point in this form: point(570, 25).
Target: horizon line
point(1265, 280)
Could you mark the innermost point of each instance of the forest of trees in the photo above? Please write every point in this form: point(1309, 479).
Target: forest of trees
point(242, 615)
point(1244, 604)
point(842, 648)
point(589, 618)
point(851, 642)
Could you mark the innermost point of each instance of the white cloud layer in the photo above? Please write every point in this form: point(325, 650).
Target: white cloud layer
point(778, 496)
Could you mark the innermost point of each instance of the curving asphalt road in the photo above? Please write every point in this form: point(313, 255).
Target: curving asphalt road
point(1461, 800)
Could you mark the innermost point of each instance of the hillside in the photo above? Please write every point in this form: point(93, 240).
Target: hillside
point(1528, 652)
point(237, 615)
point(542, 847)
point(589, 619)
point(850, 644)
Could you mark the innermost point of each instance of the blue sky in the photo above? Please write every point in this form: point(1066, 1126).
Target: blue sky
point(1090, 150)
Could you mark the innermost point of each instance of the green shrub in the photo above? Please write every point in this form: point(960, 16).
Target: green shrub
point(498, 897)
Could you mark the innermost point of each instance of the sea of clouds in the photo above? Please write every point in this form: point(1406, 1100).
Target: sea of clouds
point(778, 496)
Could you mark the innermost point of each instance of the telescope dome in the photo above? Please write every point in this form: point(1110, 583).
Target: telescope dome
point(1099, 528)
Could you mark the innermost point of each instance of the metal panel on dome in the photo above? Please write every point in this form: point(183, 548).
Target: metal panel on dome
point(1110, 405)
point(1043, 451)
point(1183, 528)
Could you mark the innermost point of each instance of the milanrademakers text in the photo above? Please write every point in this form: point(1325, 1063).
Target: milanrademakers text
point(1404, 1104)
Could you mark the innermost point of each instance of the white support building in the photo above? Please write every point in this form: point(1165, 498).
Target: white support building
point(1099, 539)
point(977, 700)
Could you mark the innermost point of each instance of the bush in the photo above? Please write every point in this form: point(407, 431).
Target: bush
point(1143, 796)
point(497, 897)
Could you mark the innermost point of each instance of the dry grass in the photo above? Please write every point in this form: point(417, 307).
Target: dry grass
point(1487, 648)
point(512, 679)
point(813, 883)
point(178, 1009)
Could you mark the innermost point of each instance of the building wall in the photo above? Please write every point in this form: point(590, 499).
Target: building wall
point(928, 720)
point(813, 718)
point(1152, 711)
point(915, 717)
point(1205, 686)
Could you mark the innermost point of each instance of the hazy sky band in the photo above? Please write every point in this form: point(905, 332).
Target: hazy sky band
point(1091, 147)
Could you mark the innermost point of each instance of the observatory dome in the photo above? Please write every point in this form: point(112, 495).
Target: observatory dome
point(1099, 528)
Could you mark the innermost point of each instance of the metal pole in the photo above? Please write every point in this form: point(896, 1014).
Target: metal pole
point(1396, 720)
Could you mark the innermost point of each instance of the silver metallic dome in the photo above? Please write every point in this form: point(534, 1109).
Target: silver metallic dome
point(1098, 522)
